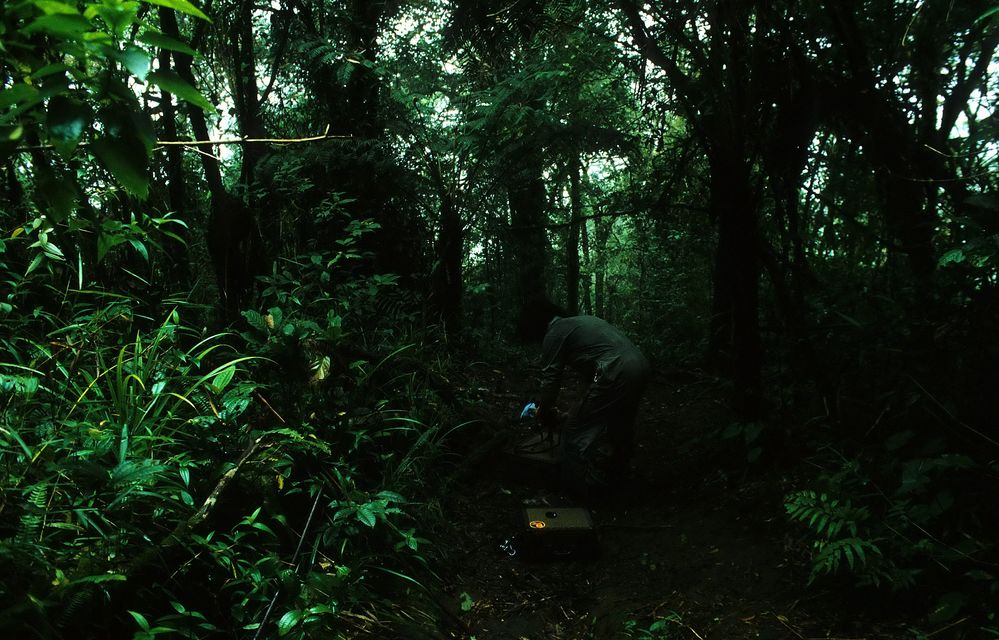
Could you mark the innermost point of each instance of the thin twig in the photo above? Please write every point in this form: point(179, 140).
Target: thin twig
point(244, 140)
point(207, 143)
point(268, 405)
point(294, 557)
point(957, 420)
point(950, 626)
point(783, 621)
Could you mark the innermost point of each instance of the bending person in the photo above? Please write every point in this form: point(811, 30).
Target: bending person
point(616, 373)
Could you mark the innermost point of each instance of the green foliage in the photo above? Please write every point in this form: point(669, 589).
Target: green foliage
point(835, 526)
point(72, 74)
point(118, 432)
point(899, 538)
point(664, 628)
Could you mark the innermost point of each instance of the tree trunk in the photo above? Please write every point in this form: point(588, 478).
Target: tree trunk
point(176, 194)
point(232, 236)
point(588, 271)
point(735, 331)
point(528, 237)
point(363, 113)
point(602, 229)
point(572, 238)
point(447, 276)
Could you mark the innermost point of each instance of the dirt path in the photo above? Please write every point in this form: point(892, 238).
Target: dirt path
point(694, 545)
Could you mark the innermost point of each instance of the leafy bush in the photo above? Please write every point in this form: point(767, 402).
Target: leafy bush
point(911, 524)
point(205, 484)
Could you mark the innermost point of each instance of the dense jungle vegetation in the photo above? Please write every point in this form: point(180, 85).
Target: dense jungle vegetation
point(260, 263)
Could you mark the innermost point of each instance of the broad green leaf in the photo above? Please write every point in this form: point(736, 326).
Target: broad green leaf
point(366, 515)
point(126, 161)
point(255, 320)
point(58, 192)
point(66, 121)
point(16, 94)
point(118, 16)
point(137, 61)
point(952, 256)
point(288, 621)
point(140, 247)
point(106, 242)
point(50, 69)
point(60, 24)
point(140, 620)
point(181, 5)
point(50, 7)
point(224, 378)
point(172, 83)
point(157, 39)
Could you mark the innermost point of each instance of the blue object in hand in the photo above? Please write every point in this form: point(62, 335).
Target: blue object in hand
point(529, 411)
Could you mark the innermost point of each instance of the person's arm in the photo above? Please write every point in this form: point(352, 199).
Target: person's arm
point(551, 382)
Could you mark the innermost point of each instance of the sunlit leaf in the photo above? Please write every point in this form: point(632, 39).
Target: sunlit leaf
point(60, 24)
point(180, 5)
point(50, 7)
point(136, 61)
point(288, 621)
point(172, 83)
point(366, 515)
point(140, 247)
point(118, 16)
point(953, 256)
point(157, 39)
point(16, 94)
point(224, 378)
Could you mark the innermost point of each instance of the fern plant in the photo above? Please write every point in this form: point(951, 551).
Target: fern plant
point(836, 525)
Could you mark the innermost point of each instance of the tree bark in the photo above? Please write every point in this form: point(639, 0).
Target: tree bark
point(735, 329)
point(588, 271)
point(572, 238)
point(232, 236)
point(526, 193)
point(447, 273)
point(176, 193)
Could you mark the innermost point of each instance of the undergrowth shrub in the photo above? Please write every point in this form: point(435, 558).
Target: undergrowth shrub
point(266, 482)
point(902, 518)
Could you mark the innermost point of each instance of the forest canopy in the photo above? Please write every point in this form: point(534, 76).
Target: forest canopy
point(259, 259)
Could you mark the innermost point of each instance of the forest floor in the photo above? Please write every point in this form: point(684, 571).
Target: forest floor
point(691, 542)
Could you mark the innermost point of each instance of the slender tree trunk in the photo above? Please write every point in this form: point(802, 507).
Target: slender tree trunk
point(572, 238)
point(735, 331)
point(232, 235)
point(176, 193)
point(248, 115)
point(363, 115)
point(602, 228)
point(588, 271)
point(447, 276)
point(528, 237)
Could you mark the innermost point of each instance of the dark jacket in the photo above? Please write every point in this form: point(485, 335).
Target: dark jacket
point(592, 347)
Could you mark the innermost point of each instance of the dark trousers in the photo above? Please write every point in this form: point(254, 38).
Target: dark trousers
point(608, 408)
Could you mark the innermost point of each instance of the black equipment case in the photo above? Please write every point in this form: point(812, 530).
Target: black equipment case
point(555, 532)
